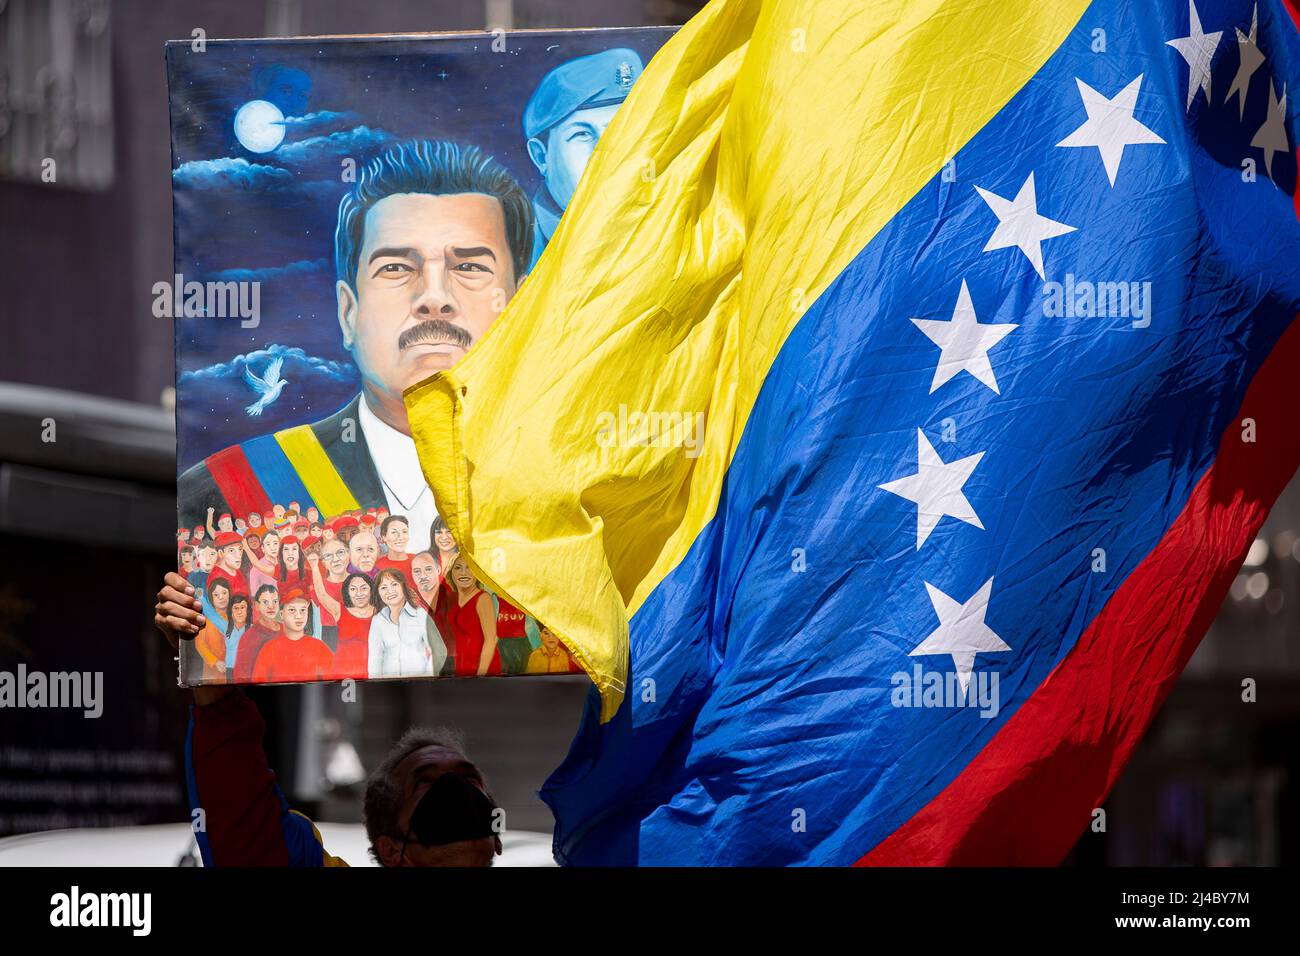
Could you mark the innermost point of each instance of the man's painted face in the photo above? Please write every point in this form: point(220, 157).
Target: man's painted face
point(364, 551)
point(225, 524)
point(434, 273)
point(230, 555)
point(567, 149)
point(313, 515)
point(255, 520)
point(278, 510)
point(295, 616)
point(396, 536)
point(425, 571)
point(269, 604)
point(207, 559)
point(335, 555)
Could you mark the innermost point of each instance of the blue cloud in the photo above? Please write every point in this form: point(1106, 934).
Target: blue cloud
point(296, 362)
point(317, 120)
point(229, 172)
point(335, 146)
point(299, 268)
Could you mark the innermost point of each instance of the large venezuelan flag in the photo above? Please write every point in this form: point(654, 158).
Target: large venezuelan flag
point(988, 311)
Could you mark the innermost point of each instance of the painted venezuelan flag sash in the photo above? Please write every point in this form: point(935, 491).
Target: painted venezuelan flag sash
point(888, 416)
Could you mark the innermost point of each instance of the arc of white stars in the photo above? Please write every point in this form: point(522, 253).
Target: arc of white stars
point(961, 633)
point(936, 489)
point(963, 343)
point(1251, 60)
point(1198, 49)
point(1020, 225)
point(1111, 125)
point(1272, 136)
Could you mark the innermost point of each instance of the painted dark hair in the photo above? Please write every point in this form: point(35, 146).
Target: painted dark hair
point(438, 168)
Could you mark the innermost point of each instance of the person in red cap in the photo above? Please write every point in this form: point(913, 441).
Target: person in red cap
point(230, 554)
point(345, 527)
point(293, 655)
point(224, 523)
point(198, 533)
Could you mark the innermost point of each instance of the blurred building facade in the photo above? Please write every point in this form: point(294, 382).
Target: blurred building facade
point(82, 83)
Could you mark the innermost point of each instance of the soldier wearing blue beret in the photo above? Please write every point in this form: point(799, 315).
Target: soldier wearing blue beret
point(567, 114)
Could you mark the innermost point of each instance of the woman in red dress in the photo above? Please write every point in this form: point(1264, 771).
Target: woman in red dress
point(473, 622)
point(352, 655)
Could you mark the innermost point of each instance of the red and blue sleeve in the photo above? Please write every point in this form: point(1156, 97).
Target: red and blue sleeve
point(238, 813)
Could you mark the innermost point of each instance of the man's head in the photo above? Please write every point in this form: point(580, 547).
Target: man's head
point(459, 812)
point(363, 550)
point(424, 569)
point(430, 245)
point(255, 519)
point(295, 613)
point(267, 600)
point(334, 553)
point(570, 110)
point(225, 523)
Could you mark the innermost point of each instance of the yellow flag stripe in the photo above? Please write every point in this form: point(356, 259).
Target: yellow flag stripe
point(759, 153)
point(327, 489)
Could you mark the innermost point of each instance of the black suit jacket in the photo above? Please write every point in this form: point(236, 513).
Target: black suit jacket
point(197, 489)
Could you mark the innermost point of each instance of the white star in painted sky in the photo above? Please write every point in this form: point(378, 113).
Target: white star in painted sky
point(962, 632)
point(963, 343)
point(1019, 224)
point(936, 489)
point(1110, 125)
point(1272, 137)
point(1251, 60)
point(1198, 49)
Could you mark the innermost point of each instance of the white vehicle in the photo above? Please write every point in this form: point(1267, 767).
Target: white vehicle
point(172, 844)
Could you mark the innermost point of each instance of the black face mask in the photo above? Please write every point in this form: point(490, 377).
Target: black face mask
point(452, 809)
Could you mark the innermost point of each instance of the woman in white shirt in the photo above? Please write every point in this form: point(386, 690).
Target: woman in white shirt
point(399, 631)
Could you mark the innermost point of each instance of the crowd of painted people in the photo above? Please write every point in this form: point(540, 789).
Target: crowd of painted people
point(288, 596)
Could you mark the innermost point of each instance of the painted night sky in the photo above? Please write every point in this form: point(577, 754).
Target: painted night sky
point(270, 215)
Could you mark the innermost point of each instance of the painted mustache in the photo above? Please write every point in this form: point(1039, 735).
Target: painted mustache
point(437, 331)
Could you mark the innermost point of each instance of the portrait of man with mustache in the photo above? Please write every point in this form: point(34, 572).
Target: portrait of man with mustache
point(430, 245)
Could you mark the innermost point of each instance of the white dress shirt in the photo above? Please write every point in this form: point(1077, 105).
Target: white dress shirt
point(398, 465)
point(403, 648)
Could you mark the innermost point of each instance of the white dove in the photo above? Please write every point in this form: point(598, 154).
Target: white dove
point(268, 387)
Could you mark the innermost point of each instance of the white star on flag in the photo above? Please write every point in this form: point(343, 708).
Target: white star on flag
point(963, 343)
point(1198, 49)
point(1019, 224)
point(936, 489)
point(1251, 60)
point(1272, 137)
point(1110, 125)
point(962, 632)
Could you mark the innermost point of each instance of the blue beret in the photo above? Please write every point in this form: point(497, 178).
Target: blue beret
point(600, 79)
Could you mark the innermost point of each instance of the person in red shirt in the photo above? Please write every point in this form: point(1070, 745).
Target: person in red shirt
point(187, 561)
point(396, 532)
point(265, 628)
point(514, 646)
point(230, 559)
point(473, 623)
point(293, 655)
point(425, 577)
point(353, 611)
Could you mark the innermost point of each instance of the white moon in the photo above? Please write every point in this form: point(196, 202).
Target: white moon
point(259, 126)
